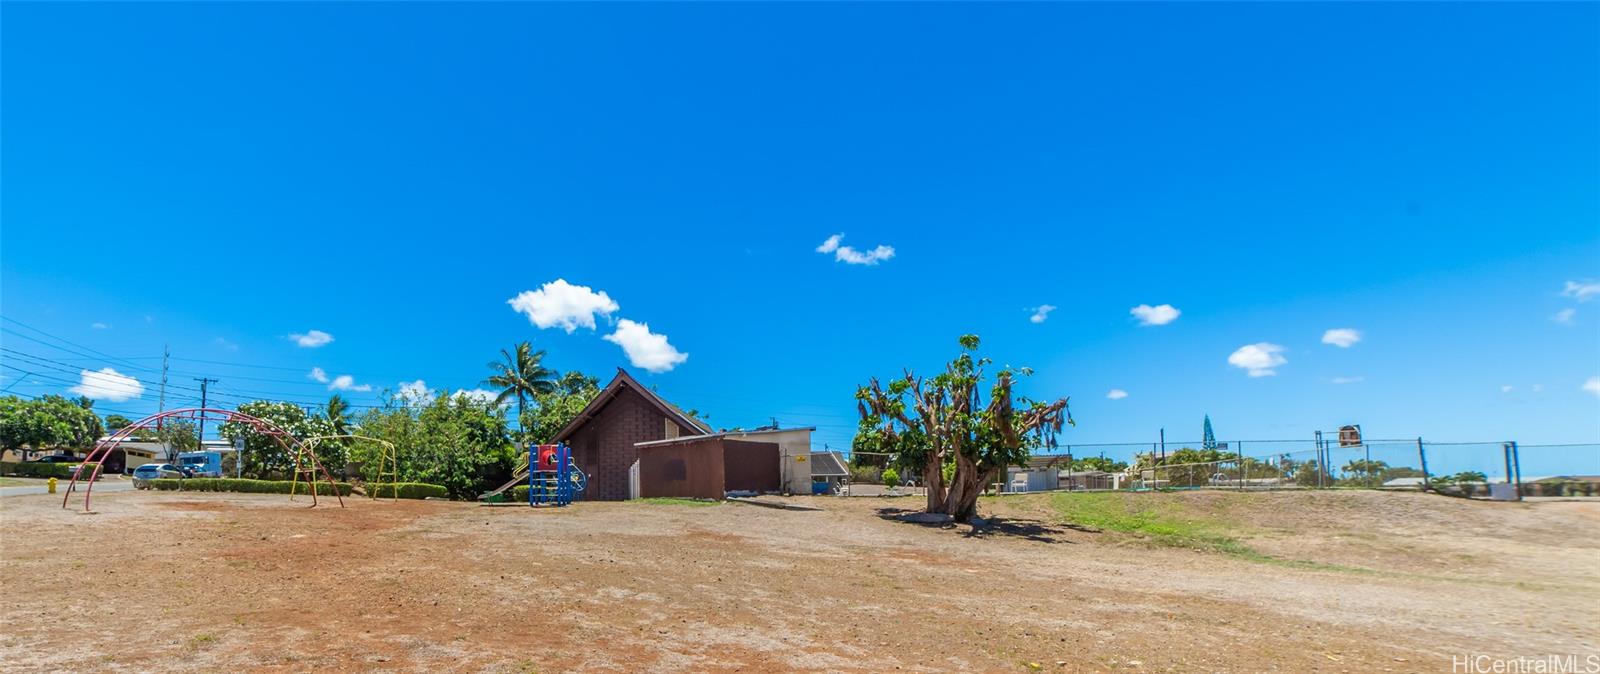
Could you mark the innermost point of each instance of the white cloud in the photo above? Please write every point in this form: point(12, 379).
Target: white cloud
point(318, 375)
point(1116, 394)
point(561, 304)
point(1343, 338)
point(478, 396)
point(226, 344)
point(346, 382)
point(1259, 359)
point(1041, 312)
point(99, 326)
point(832, 244)
point(415, 392)
point(1156, 315)
point(849, 255)
point(1537, 388)
point(1348, 380)
point(1592, 385)
point(1507, 388)
point(644, 348)
point(1564, 316)
point(107, 384)
point(311, 339)
point(1583, 291)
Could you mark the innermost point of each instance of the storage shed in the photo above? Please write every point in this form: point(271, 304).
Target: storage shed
point(707, 466)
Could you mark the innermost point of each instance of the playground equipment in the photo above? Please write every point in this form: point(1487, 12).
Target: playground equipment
point(97, 456)
point(386, 457)
point(553, 478)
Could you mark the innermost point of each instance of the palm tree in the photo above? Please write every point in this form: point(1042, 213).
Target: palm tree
point(337, 410)
point(522, 376)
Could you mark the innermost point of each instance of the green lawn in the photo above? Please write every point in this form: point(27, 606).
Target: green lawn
point(17, 482)
point(1165, 523)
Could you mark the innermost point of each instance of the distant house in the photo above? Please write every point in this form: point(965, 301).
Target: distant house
point(603, 437)
point(1042, 473)
point(1046, 472)
point(828, 470)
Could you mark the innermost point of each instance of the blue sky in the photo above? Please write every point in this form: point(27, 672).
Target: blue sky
point(219, 177)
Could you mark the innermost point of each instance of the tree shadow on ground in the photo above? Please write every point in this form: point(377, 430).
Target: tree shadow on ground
point(996, 527)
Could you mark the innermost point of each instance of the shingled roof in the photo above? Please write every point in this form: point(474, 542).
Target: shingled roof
point(828, 464)
point(623, 379)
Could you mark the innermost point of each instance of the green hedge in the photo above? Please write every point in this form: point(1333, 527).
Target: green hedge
point(406, 489)
point(39, 469)
point(244, 486)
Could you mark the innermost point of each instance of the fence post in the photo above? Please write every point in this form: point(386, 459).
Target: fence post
point(1320, 468)
point(1367, 467)
point(1422, 454)
point(1505, 451)
point(1244, 467)
point(1516, 465)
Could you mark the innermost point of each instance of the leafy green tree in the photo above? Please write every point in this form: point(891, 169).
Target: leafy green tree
point(521, 375)
point(463, 447)
point(947, 418)
point(1099, 463)
point(46, 423)
point(555, 409)
point(453, 441)
point(178, 435)
point(264, 456)
point(337, 412)
point(116, 422)
point(1365, 472)
point(396, 422)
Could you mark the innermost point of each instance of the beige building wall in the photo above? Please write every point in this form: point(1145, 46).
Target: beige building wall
point(794, 455)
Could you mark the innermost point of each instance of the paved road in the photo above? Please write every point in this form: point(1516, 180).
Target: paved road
point(112, 484)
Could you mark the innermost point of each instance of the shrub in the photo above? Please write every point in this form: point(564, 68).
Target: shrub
point(891, 478)
point(418, 490)
point(866, 475)
point(61, 471)
point(245, 486)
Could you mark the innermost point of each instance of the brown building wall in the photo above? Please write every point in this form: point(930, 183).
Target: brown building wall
point(751, 466)
point(688, 470)
point(603, 446)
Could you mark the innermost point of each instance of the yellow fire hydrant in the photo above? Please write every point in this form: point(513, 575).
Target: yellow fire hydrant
point(52, 484)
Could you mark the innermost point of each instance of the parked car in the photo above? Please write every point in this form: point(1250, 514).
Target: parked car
point(151, 471)
point(59, 458)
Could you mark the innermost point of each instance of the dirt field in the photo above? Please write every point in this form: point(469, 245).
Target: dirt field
point(1335, 582)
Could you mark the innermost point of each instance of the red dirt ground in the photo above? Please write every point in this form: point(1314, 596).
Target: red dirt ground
point(224, 582)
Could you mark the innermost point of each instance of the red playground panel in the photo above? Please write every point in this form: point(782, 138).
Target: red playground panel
point(547, 458)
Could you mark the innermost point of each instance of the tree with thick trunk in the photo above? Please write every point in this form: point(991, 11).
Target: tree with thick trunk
point(929, 424)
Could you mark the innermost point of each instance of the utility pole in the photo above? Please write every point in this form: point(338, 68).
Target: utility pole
point(201, 436)
point(161, 402)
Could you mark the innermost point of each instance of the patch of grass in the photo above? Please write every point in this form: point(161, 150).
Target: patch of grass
point(675, 500)
point(204, 638)
point(14, 482)
point(1170, 523)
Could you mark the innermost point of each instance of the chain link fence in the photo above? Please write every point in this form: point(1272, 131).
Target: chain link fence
point(1503, 470)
